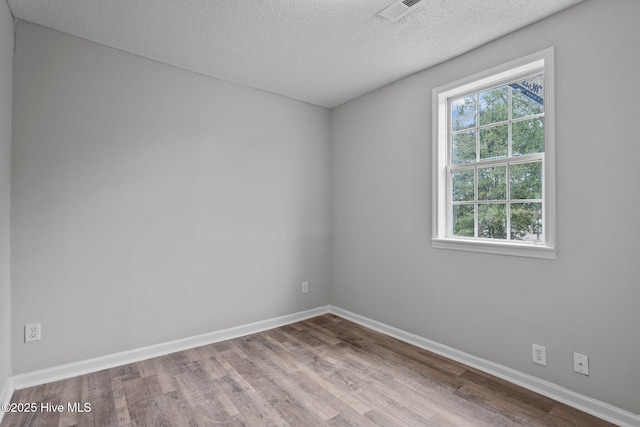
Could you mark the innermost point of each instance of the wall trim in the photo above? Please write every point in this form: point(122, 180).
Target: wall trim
point(5, 394)
point(579, 401)
point(82, 367)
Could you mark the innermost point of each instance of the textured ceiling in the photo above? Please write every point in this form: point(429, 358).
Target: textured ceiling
point(323, 52)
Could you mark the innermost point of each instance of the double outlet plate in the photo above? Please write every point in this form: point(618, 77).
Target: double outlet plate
point(32, 332)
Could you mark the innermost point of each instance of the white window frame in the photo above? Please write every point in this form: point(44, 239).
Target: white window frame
point(441, 236)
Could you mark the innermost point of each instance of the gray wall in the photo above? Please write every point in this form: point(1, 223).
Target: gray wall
point(492, 306)
point(151, 204)
point(6, 67)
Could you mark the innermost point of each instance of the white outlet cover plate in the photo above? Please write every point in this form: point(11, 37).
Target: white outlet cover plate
point(32, 332)
point(581, 363)
point(539, 354)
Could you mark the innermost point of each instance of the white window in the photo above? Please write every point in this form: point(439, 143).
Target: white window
point(493, 160)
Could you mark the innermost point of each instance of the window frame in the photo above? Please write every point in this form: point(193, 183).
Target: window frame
point(442, 96)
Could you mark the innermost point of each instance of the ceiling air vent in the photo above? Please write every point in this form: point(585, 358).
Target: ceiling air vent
point(398, 9)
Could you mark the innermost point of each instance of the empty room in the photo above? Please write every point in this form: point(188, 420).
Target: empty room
point(319, 212)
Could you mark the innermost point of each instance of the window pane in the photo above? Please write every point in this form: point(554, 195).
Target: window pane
point(463, 220)
point(463, 113)
point(492, 183)
point(528, 96)
point(528, 137)
point(494, 105)
point(525, 181)
point(492, 221)
point(526, 221)
point(494, 142)
point(462, 185)
point(464, 147)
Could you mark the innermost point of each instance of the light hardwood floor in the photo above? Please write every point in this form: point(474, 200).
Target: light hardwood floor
point(322, 371)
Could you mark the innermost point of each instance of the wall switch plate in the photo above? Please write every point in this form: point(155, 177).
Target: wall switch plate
point(539, 354)
point(32, 332)
point(581, 363)
point(305, 287)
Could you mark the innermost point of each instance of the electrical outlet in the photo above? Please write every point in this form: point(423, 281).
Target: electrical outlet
point(539, 354)
point(305, 287)
point(32, 332)
point(581, 363)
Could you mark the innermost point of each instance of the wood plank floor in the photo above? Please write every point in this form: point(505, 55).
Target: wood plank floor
point(324, 371)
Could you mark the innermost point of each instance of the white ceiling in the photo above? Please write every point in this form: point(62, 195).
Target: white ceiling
point(323, 52)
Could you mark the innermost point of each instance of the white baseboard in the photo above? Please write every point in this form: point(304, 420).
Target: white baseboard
point(584, 403)
point(82, 367)
point(5, 394)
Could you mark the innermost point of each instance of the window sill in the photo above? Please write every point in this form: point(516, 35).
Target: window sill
point(528, 250)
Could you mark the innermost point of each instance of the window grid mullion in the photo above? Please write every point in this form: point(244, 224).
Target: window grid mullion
point(508, 197)
point(509, 154)
point(489, 202)
point(510, 120)
point(476, 206)
point(527, 158)
point(477, 128)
